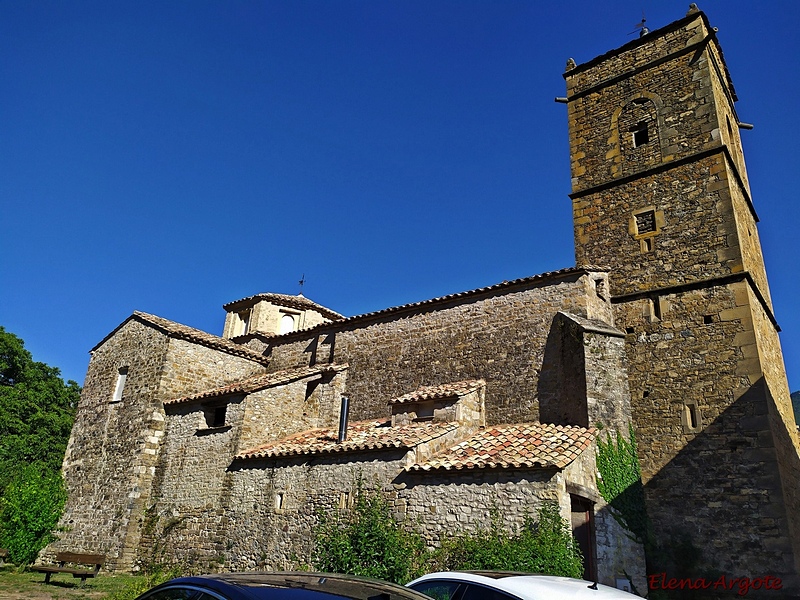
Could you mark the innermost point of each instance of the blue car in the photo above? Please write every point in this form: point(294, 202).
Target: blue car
point(275, 585)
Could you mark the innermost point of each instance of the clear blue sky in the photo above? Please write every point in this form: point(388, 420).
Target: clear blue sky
point(172, 156)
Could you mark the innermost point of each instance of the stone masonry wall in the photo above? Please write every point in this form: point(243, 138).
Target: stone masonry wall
point(280, 411)
point(706, 475)
point(697, 238)
point(781, 420)
point(652, 67)
point(111, 453)
point(191, 368)
point(499, 337)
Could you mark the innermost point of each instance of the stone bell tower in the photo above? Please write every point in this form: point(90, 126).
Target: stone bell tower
point(660, 196)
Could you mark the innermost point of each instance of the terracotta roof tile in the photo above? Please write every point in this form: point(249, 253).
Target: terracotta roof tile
point(361, 435)
point(523, 445)
point(259, 382)
point(447, 390)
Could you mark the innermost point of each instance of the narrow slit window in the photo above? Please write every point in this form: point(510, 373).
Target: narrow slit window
point(219, 416)
point(279, 500)
point(691, 415)
point(655, 307)
point(692, 421)
point(122, 375)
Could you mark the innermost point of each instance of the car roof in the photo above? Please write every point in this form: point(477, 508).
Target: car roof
point(345, 586)
point(533, 587)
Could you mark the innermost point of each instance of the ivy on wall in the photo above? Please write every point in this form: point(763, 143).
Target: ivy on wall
point(620, 482)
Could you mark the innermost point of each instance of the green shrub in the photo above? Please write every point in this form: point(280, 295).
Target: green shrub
point(545, 546)
point(29, 511)
point(368, 541)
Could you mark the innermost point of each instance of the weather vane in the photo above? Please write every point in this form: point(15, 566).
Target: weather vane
point(640, 26)
point(301, 283)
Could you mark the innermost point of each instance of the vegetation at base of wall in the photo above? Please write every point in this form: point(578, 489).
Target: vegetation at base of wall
point(543, 545)
point(29, 511)
point(620, 482)
point(36, 413)
point(367, 540)
point(141, 584)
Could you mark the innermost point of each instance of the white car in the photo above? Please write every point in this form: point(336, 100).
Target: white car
point(499, 585)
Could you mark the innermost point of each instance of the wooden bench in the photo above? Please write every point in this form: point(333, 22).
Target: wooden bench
point(73, 558)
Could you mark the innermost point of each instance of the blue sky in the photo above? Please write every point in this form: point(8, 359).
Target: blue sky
point(173, 156)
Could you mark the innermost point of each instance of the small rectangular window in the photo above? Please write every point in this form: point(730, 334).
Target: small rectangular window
point(215, 415)
point(122, 375)
point(645, 222)
point(640, 134)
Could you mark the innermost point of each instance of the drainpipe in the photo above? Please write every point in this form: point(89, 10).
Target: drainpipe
point(343, 418)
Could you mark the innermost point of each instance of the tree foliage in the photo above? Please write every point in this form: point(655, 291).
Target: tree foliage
point(36, 413)
point(543, 545)
point(36, 410)
point(29, 511)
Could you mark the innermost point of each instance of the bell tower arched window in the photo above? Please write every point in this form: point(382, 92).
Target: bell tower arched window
point(638, 135)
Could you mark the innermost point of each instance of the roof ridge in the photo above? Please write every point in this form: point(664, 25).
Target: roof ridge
point(198, 336)
point(457, 296)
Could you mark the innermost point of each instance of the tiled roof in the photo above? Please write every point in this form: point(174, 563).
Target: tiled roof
point(259, 382)
point(289, 301)
point(361, 435)
point(446, 390)
point(173, 329)
point(524, 445)
point(461, 295)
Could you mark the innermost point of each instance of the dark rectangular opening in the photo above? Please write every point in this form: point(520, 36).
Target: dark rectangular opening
point(640, 134)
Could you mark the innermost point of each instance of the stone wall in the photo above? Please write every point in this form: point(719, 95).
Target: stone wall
point(499, 336)
point(709, 464)
point(111, 455)
point(279, 411)
point(695, 238)
point(669, 72)
point(191, 368)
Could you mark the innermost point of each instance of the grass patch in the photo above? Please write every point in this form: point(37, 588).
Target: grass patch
point(17, 584)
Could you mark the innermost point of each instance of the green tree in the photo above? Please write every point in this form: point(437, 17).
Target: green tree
point(36, 410)
point(29, 511)
point(36, 413)
point(368, 541)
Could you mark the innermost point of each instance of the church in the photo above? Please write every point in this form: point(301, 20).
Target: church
point(220, 451)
